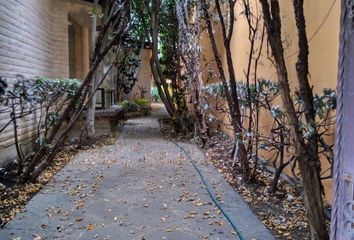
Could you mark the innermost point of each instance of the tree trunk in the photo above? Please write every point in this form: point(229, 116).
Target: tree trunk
point(167, 103)
point(151, 34)
point(90, 117)
point(231, 95)
point(189, 37)
point(306, 154)
point(17, 144)
point(311, 167)
point(119, 19)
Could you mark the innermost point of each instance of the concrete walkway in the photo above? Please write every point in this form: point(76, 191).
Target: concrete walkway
point(142, 187)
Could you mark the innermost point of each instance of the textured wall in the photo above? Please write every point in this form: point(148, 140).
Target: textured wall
point(144, 77)
point(33, 42)
point(322, 25)
point(33, 38)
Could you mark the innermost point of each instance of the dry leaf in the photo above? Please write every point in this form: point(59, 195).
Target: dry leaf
point(78, 220)
point(89, 227)
point(36, 237)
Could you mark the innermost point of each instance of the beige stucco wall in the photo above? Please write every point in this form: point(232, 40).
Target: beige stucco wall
point(208, 64)
point(33, 42)
point(324, 43)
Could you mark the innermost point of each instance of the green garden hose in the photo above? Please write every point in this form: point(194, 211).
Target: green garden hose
point(232, 223)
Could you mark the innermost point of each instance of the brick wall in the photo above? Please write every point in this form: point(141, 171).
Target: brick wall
point(144, 78)
point(33, 42)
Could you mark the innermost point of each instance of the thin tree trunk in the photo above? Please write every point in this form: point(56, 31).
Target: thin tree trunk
point(306, 154)
point(90, 117)
point(151, 35)
point(310, 167)
point(119, 19)
point(167, 103)
point(18, 149)
point(282, 165)
point(231, 95)
point(189, 37)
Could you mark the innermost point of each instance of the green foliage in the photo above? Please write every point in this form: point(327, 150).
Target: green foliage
point(325, 102)
point(127, 68)
point(51, 89)
point(129, 107)
point(48, 94)
point(276, 112)
point(258, 92)
point(142, 102)
point(3, 86)
point(265, 91)
point(44, 96)
point(131, 46)
point(216, 90)
point(136, 35)
point(168, 39)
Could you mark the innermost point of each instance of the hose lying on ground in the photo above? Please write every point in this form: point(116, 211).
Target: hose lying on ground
point(232, 223)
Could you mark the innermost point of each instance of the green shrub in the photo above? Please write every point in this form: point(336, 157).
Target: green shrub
point(129, 107)
point(48, 88)
point(142, 102)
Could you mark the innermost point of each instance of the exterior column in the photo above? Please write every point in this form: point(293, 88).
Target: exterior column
point(78, 51)
point(85, 52)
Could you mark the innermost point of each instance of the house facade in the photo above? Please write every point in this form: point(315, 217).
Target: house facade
point(46, 38)
point(51, 38)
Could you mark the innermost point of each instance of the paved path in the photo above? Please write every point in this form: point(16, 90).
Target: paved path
point(142, 187)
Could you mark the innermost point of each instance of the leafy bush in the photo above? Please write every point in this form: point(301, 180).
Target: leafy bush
point(51, 90)
point(142, 102)
point(129, 107)
point(215, 89)
point(263, 96)
point(43, 96)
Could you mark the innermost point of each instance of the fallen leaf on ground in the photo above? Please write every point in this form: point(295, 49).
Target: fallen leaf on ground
point(89, 227)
